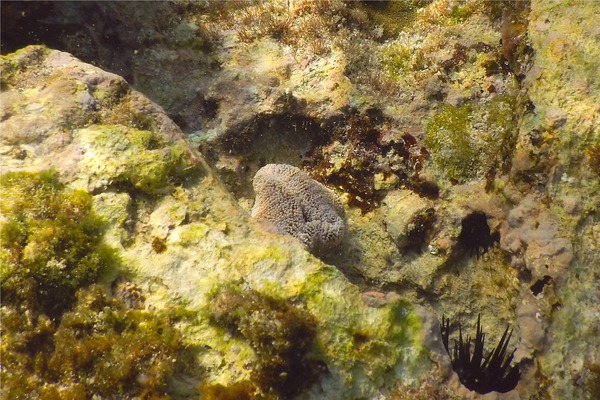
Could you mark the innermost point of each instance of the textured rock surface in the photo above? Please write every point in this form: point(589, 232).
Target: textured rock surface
point(107, 123)
point(418, 114)
point(564, 87)
point(181, 236)
point(298, 205)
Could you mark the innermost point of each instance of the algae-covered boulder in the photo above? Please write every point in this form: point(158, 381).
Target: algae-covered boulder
point(255, 314)
point(51, 242)
point(460, 137)
point(101, 347)
point(57, 111)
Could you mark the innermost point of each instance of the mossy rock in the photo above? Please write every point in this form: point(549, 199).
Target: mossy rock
point(472, 140)
point(23, 64)
point(100, 348)
point(138, 159)
point(449, 142)
point(51, 241)
point(310, 342)
point(281, 335)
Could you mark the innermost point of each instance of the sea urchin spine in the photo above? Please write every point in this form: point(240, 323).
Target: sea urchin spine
point(495, 374)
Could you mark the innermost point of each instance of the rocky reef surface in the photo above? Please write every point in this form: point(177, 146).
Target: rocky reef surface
point(461, 139)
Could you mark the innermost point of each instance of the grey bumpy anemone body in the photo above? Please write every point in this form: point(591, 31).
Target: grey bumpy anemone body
point(298, 205)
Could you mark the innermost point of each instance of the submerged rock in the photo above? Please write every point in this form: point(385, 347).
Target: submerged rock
point(462, 138)
point(147, 185)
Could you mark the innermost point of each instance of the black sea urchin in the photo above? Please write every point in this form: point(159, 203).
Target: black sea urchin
point(495, 374)
point(475, 236)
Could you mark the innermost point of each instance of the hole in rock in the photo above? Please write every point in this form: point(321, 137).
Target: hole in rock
point(538, 286)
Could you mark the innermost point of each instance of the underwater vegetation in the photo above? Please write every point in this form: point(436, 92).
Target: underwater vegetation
point(449, 142)
point(516, 49)
point(50, 242)
point(306, 24)
point(392, 16)
point(99, 348)
point(495, 374)
point(594, 158)
point(591, 380)
point(61, 337)
point(362, 147)
point(145, 161)
point(281, 336)
point(472, 140)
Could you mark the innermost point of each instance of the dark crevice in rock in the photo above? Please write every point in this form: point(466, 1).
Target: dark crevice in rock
point(539, 285)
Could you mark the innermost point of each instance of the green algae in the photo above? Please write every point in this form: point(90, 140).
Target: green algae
point(99, 348)
point(404, 326)
point(396, 60)
point(137, 158)
point(447, 138)
point(460, 12)
point(474, 139)
point(23, 63)
point(280, 334)
point(395, 347)
point(51, 241)
point(359, 342)
point(125, 113)
point(192, 234)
